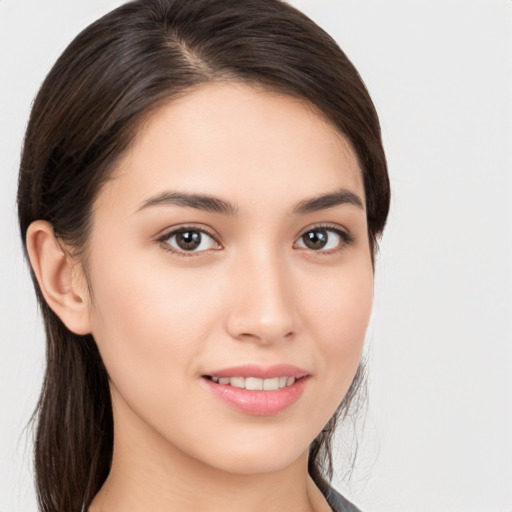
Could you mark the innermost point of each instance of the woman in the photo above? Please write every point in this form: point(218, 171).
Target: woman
point(201, 190)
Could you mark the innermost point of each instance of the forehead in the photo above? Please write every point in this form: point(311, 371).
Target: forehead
point(238, 142)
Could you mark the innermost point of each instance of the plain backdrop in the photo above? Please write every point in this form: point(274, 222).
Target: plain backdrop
point(438, 433)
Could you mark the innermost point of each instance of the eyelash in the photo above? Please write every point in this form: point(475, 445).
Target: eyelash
point(164, 240)
point(346, 239)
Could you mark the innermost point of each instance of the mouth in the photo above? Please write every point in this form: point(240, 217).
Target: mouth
point(258, 390)
point(255, 383)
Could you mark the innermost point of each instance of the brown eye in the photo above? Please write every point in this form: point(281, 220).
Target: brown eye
point(189, 240)
point(316, 239)
point(324, 239)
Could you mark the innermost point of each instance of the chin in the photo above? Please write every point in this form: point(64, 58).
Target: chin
point(251, 451)
point(258, 461)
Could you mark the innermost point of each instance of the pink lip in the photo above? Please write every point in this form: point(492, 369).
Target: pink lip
point(259, 403)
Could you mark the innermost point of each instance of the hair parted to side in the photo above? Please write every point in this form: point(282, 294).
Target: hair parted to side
point(117, 71)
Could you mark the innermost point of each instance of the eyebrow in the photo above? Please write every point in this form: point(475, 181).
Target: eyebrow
point(325, 201)
point(197, 201)
point(217, 205)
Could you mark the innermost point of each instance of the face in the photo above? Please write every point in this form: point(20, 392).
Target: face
point(230, 251)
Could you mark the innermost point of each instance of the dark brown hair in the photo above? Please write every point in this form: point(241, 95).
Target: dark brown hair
point(84, 117)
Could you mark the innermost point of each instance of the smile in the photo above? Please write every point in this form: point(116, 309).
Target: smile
point(255, 383)
point(258, 390)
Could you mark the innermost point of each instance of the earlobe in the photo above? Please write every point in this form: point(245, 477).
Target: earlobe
point(61, 285)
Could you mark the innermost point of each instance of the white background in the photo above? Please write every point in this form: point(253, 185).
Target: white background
point(439, 429)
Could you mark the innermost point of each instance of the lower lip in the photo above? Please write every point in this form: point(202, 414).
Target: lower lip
point(259, 403)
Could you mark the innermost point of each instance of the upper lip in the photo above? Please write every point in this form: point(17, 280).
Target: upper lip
point(260, 371)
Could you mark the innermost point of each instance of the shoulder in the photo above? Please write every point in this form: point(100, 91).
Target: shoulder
point(337, 502)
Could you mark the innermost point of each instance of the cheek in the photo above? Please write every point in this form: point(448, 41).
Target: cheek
point(339, 313)
point(343, 313)
point(147, 324)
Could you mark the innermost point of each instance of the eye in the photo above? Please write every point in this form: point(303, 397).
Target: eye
point(189, 240)
point(324, 239)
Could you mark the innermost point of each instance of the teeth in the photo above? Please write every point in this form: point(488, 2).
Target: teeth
point(271, 384)
point(253, 383)
point(256, 384)
point(237, 382)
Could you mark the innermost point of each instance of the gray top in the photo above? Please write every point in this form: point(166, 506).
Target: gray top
point(337, 502)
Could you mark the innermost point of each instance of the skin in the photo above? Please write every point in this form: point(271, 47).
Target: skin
point(253, 293)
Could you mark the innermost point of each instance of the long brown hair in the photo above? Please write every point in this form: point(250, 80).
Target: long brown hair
point(85, 115)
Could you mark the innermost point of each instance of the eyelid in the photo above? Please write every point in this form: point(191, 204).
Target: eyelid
point(174, 230)
point(345, 235)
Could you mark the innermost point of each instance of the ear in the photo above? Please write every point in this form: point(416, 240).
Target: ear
point(61, 280)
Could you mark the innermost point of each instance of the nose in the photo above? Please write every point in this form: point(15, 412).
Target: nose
point(262, 302)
